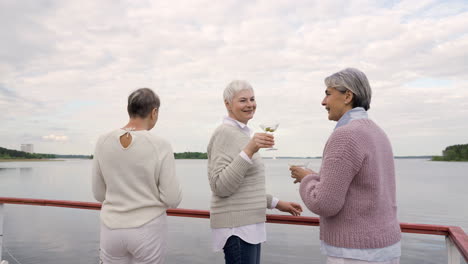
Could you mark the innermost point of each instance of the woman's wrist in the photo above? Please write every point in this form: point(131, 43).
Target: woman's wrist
point(248, 152)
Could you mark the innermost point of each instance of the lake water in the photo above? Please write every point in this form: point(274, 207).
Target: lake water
point(428, 193)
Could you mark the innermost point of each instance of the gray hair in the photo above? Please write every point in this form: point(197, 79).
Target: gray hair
point(234, 87)
point(354, 80)
point(141, 102)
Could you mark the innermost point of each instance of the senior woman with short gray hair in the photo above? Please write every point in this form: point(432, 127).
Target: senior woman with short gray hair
point(354, 193)
point(236, 175)
point(134, 178)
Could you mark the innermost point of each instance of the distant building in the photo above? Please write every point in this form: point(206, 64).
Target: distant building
point(27, 148)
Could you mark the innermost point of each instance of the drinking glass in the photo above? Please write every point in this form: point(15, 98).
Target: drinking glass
point(269, 128)
point(299, 163)
point(302, 163)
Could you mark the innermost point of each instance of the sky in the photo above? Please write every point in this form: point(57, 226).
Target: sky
point(67, 68)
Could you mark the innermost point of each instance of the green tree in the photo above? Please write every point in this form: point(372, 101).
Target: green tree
point(15, 154)
point(453, 153)
point(191, 155)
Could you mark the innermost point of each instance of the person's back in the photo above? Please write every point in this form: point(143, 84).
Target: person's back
point(132, 175)
point(134, 178)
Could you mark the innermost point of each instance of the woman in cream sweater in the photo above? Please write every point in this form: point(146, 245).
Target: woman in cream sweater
point(134, 178)
point(236, 175)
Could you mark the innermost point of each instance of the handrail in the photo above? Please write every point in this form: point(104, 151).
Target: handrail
point(458, 236)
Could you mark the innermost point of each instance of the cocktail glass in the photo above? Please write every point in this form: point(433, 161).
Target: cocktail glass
point(269, 128)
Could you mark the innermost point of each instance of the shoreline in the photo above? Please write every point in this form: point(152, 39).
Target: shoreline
point(25, 160)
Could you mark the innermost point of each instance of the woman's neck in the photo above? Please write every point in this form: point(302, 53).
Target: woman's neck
point(135, 124)
point(235, 119)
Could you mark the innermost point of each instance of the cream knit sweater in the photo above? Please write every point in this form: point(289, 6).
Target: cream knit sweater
point(238, 187)
point(135, 184)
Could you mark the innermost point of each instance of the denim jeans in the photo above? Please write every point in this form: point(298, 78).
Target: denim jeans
point(237, 251)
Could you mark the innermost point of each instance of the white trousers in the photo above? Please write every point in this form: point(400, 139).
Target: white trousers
point(333, 260)
point(141, 245)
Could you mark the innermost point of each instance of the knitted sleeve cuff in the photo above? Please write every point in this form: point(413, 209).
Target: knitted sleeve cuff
point(240, 166)
point(314, 176)
point(270, 201)
point(246, 157)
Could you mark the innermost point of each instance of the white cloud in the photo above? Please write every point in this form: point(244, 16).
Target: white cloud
point(187, 51)
point(56, 138)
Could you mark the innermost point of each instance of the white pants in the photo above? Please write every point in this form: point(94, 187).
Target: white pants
point(333, 260)
point(142, 245)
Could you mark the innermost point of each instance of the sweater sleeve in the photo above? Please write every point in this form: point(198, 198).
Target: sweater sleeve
point(97, 182)
point(226, 174)
point(168, 184)
point(325, 193)
point(269, 199)
point(226, 167)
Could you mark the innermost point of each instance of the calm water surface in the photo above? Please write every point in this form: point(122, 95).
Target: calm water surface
point(428, 192)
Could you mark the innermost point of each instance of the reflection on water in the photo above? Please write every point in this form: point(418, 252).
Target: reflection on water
point(428, 192)
point(4, 169)
point(26, 171)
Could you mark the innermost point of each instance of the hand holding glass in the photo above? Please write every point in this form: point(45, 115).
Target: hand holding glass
point(304, 166)
point(269, 128)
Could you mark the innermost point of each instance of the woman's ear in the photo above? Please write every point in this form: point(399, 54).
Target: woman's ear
point(155, 112)
point(349, 96)
point(228, 106)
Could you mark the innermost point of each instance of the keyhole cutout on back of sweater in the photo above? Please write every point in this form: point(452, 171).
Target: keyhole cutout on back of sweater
point(125, 140)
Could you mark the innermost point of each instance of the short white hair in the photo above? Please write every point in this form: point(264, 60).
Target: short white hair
point(354, 80)
point(234, 87)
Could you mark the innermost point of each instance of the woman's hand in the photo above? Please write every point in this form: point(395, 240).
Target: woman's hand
point(289, 207)
point(258, 141)
point(299, 173)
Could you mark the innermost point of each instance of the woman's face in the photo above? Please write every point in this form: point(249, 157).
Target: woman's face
point(336, 103)
point(243, 106)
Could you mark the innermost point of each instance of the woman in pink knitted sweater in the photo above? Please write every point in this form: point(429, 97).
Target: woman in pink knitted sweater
point(354, 192)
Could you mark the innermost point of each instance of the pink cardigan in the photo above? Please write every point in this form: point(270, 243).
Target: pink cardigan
point(354, 193)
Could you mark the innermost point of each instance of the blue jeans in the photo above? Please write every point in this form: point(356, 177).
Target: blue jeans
point(237, 251)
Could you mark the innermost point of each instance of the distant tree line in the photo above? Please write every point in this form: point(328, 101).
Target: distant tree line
point(15, 154)
point(191, 155)
point(453, 153)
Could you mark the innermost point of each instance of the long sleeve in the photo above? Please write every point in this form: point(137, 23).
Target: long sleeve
point(325, 193)
point(169, 186)
point(271, 201)
point(354, 192)
point(97, 182)
point(238, 186)
point(226, 173)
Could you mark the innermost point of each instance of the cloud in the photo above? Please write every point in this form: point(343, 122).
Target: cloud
point(71, 65)
point(55, 138)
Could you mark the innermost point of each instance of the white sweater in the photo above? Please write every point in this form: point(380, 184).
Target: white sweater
point(135, 184)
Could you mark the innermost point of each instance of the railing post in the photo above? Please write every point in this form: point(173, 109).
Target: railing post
point(452, 251)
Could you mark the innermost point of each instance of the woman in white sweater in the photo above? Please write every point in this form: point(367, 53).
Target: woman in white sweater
point(237, 179)
point(134, 178)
